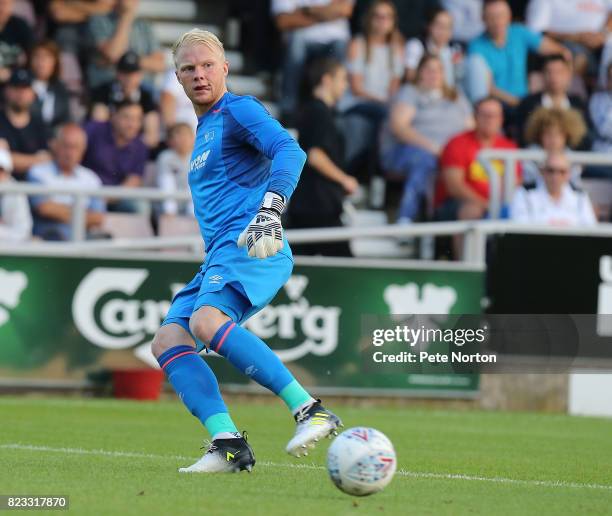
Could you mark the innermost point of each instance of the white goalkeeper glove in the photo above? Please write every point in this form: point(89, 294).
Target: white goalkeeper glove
point(263, 237)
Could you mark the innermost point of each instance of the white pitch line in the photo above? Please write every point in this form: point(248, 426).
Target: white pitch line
point(400, 472)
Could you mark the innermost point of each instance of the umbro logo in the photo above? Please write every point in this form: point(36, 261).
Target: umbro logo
point(199, 161)
point(215, 279)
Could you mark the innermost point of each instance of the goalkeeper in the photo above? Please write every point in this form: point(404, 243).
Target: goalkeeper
point(244, 168)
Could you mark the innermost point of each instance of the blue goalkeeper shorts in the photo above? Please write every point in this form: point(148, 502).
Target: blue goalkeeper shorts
point(234, 283)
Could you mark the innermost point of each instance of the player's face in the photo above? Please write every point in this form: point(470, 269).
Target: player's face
point(202, 72)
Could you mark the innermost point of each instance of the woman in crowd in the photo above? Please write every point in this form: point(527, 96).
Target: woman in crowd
point(423, 117)
point(52, 97)
point(554, 131)
point(375, 57)
point(375, 67)
point(436, 41)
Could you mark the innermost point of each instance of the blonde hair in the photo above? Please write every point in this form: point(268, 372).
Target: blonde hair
point(570, 122)
point(198, 37)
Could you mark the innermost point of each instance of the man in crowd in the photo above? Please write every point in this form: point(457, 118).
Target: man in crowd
point(54, 212)
point(463, 187)
point(115, 151)
point(128, 85)
point(25, 134)
point(557, 80)
point(114, 34)
point(310, 28)
point(15, 217)
point(497, 59)
point(581, 25)
point(553, 201)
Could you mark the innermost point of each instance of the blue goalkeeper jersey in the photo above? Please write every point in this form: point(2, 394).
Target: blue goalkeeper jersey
point(240, 153)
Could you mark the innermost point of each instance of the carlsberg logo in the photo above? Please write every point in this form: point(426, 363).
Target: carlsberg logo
point(123, 322)
point(318, 324)
point(120, 321)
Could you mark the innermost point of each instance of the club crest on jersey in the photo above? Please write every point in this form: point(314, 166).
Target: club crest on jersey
point(209, 136)
point(199, 161)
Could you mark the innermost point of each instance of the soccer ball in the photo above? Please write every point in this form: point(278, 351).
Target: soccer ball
point(361, 461)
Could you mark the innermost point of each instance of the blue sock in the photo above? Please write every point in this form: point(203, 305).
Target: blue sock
point(197, 387)
point(251, 356)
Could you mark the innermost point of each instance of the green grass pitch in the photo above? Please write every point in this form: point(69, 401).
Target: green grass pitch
point(121, 457)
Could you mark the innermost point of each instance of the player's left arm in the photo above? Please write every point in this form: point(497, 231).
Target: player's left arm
point(263, 237)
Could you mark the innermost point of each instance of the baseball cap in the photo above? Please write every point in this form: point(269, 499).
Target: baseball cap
point(6, 162)
point(20, 77)
point(129, 62)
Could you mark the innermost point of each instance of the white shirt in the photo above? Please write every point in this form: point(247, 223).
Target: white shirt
point(184, 107)
point(15, 218)
point(536, 206)
point(172, 175)
point(467, 18)
point(323, 32)
point(48, 174)
point(450, 55)
point(568, 16)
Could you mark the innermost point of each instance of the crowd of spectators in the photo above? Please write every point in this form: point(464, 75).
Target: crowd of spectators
point(405, 92)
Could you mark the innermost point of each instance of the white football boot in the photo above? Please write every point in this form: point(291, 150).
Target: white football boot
point(225, 456)
point(314, 423)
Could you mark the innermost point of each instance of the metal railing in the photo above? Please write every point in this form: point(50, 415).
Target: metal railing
point(501, 192)
point(81, 196)
point(474, 232)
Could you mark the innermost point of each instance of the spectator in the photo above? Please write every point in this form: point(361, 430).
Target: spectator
point(555, 131)
point(436, 41)
point(15, 40)
point(582, 26)
point(311, 28)
point(116, 153)
point(467, 19)
point(53, 213)
point(128, 86)
point(463, 187)
point(375, 58)
point(15, 217)
point(423, 117)
point(600, 107)
point(52, 98)
point(318, 199)
point(173, 168)
point(67, 21)
point(375, 66)
point(174, 105)
point(557, 80)
point(497, 62)
point(553, 201)
point(114, 34)
point(25, 133)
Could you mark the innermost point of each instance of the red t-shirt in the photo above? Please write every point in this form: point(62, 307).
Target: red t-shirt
point(460, 152)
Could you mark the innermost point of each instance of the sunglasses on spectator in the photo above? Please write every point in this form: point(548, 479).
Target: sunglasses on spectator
point(552, 170)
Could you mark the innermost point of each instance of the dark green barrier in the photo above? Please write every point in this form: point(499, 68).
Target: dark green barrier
point(62, 318)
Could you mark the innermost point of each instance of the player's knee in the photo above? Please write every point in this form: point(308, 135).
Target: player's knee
point(205, 323)
point(168, 337)
point(160, 344)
